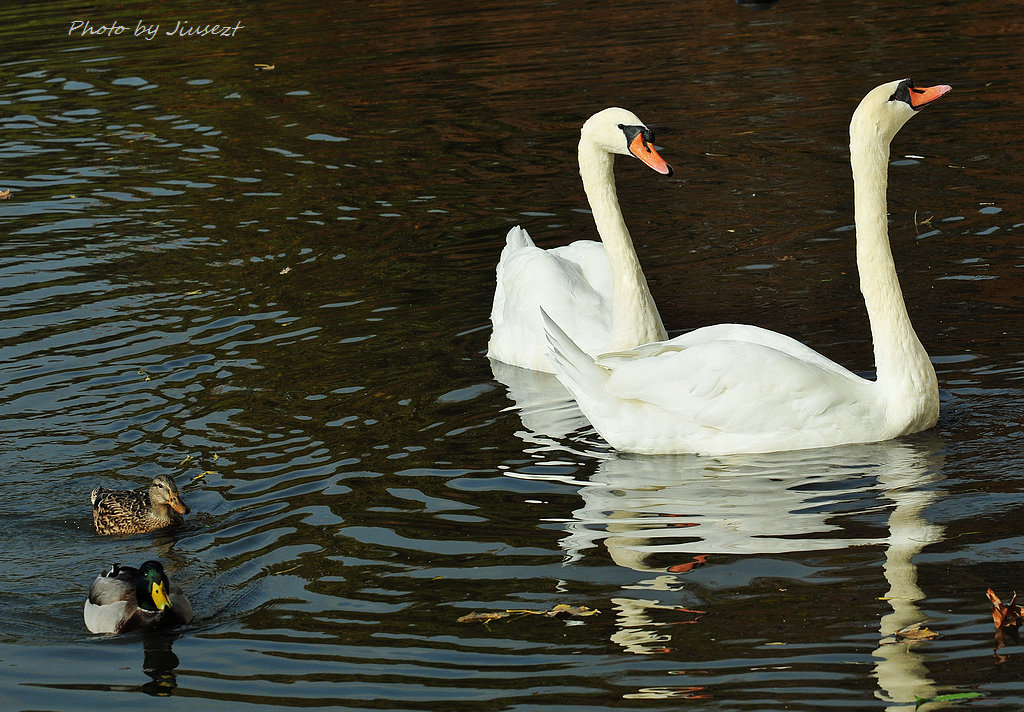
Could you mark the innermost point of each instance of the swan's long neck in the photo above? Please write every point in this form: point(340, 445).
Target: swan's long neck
point(904, 370)
point(635, 318)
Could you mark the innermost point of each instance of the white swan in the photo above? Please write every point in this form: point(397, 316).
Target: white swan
point(732, 388)
point(597, 291)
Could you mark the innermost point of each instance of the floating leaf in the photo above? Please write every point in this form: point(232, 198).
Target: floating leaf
point(475, 617)
point(263, 67)
point(954, 697)
point(562, 610)
point(698, 560)
point(5, 194)
point(1004, 615)
point(916, 632)
point(286, 270)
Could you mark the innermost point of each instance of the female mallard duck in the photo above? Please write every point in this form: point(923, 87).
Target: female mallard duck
point(139, 510)
point(125, 598)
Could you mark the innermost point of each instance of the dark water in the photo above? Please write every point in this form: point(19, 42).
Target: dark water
point(274, 287)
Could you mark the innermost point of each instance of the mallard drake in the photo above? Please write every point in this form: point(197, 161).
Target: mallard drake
point(125, 598)
point(138, 510)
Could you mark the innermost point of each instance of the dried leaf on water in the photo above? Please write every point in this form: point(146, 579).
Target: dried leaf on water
point(5, 194)
point(475, 617)
point(565, 610)
point(263, 67)
point(1004, 615)
point(916, 632)
point(562, 610)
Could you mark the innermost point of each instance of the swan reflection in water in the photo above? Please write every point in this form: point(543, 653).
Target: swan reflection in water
point(661, 515)
point(547, 410)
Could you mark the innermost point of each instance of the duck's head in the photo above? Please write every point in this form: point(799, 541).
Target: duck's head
point(164, 491)
point(620, 131)
point(152, 589)
point(887, 107)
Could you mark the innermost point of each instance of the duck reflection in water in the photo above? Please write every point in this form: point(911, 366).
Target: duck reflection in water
point(159, 662)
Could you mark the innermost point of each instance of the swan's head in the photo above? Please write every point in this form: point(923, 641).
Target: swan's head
point(887, 107)
point(620, 131)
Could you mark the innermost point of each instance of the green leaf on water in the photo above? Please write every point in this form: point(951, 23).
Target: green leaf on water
point(954, 697)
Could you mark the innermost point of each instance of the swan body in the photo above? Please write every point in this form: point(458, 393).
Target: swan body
point(125, 598)
point(733, 388)
point(596, 290)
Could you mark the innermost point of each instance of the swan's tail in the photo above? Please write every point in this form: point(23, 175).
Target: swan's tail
point(573, 366)
point(518, 238)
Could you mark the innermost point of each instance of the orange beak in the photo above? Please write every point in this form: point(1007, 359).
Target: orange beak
point(922, 96)
point(646, 153)
point(177, 505)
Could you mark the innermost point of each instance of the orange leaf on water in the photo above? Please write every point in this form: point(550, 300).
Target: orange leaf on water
point(698, 560)
point(1005, 615)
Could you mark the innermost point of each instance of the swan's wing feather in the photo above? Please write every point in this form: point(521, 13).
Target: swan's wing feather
point(547, 278)
point(590, 261)
point(764, 337)
point(753, 335)
point(729, 385)
point(573, 283)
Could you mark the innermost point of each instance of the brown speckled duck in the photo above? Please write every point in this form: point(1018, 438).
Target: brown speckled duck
point(138, 510)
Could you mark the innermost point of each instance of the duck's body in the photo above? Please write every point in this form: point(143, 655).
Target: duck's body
point(140, 510)
point(733, 388)
point(597, 290)
point(125, 598)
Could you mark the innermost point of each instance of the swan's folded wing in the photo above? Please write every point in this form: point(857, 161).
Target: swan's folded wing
point(572, 283)
point(730, 384)
point(590, 260)
point(764, 337)
point(734, 332)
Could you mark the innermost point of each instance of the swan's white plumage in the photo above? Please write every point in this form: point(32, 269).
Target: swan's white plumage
point(572, 282)
point(733, 388)
point(583, 285)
